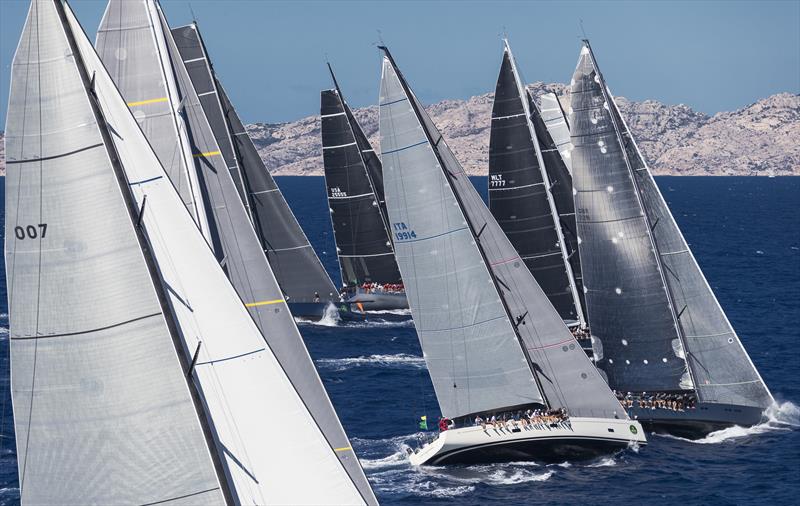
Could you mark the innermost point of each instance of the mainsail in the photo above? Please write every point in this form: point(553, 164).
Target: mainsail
point(520, 190)
point(246, 266)
point(722, 369)
point(658, 322)
point(490, 338)
point(360, 225)
point(102, 409)
point(293, 260)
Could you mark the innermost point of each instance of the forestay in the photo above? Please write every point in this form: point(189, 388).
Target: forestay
point(103, 413)
point(473, 352)
point(268, 460)
point(723, 371)
point(519, 193)
point(362, 237)
point(631, 316)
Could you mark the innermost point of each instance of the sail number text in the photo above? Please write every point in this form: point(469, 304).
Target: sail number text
point(496, 181)
point(30, 231)
point(402, 232)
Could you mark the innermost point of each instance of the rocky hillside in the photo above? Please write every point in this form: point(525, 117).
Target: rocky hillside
point(759, 139)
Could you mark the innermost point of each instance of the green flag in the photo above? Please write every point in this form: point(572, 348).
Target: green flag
point(423, 422)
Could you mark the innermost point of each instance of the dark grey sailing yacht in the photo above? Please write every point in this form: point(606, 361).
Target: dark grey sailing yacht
point(354, 181)
point(530, 194)
point(492, 342)
point(658, 331)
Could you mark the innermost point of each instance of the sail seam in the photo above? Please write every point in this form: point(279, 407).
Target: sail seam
point(434, 236)
point(352, 196)
point(394, 102)
point(473, 324)
point(339, 146)
point(406, 147)
point(288, 249)
point(364, 256)
point(194, 494)
point(145, 102)
point(52, 157)
point(507, 117)
point(89, 331)
point(516, 187)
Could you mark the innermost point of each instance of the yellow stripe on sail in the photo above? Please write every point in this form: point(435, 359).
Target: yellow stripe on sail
point(342, 449)
point(145, 102)
point(264, 303)
point(206, 154)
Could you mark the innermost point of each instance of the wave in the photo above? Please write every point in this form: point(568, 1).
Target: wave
point(398, 312)
point(399, 360)
point(604, 462)
point(779, 417)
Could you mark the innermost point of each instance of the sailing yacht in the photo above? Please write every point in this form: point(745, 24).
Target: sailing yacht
point(136, 380)
point(492, 342)
point(354, 180)
point(530, 194)
point(169, 81)
point(659, 333)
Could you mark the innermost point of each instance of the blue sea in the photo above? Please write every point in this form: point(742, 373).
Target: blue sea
point(745, 233)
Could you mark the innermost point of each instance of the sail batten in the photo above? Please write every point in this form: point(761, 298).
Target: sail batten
point(472, 273)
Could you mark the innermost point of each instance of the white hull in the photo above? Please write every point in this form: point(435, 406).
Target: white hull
point(577, 438)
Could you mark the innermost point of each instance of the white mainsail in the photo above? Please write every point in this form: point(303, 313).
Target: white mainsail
point(273, 450)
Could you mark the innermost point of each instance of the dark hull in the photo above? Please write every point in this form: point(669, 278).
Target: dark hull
point(699, 422)
point(547, 450)
point(378, 301)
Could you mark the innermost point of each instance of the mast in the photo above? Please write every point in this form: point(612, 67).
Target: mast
point(645, 216)
point(134, 213)
point(475, 235)
point(523, 94)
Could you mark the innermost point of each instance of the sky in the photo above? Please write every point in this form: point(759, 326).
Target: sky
point(270, 55)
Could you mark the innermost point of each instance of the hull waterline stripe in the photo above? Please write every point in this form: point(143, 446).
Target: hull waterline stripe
point(264, 303)
point(145, 102)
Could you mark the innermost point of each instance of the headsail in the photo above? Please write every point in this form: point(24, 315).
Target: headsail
point(555, 119)
point(294, 262)
point(490, 338)
point(631, 313)
point(520, 191)
point(723, 371)
point(363, 241)
point(243, 383)
point(96, 373)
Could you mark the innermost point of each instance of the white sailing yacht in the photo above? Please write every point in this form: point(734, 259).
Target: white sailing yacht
point(492, 342)
point(134, 379)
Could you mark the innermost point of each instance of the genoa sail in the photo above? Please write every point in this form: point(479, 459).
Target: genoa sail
point(96, 371)
point(520, 191)
point(490, 338)
point(243, 382)
point(363, 243)
point(555, 119)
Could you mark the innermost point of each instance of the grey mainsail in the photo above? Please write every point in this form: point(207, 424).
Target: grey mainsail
point(555, 119)
point(491, 339)
point(361, 229)
point(520, 195)
point(631, 314)
point(96, 371)
point(723, 371)
point(244, 260)
point(294, 262)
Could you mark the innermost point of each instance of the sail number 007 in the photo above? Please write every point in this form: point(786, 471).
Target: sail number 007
point(30, 231)
point(402, 232)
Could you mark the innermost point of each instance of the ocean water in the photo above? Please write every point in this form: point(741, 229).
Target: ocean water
point(745, 232)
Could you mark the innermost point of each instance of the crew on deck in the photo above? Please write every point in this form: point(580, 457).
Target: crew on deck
point(383, 287)
point(658, 400)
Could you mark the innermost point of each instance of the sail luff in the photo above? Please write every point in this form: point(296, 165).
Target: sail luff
point(562, 243)
point(95, 369)
point(645, 216)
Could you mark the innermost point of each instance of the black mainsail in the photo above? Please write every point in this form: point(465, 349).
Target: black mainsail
point(357, 207)
point(525, 173)
point(650, 308)
point(291, 256)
